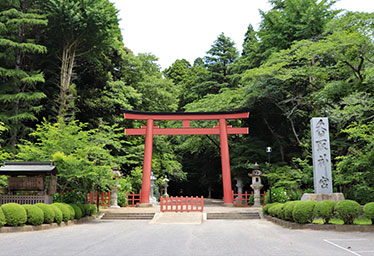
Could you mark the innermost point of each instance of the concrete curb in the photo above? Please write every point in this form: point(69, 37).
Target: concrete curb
point(46, 226)
point(326, 227)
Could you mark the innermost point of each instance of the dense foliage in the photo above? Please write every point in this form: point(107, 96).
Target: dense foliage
point(65, 75)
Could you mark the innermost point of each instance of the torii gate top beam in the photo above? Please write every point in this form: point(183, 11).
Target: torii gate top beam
point(140, 115)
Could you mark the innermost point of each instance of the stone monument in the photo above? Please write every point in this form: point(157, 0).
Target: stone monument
point(256, 184)
point(114, 190)
point(323, 189)
point(166, 185)
point(239, 184)
point(152, 198)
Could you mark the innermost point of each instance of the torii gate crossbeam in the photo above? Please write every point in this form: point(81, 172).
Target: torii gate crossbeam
point(150, 129)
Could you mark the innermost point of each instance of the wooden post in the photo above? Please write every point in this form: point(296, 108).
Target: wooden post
point(225, 160)
point(147, 165)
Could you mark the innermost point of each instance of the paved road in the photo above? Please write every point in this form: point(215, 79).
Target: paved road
point(214, 237)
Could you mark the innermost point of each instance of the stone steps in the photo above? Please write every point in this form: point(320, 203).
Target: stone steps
point(233, 216)
point(128, 216)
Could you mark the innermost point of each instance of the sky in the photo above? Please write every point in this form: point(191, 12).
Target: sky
point(186, 29)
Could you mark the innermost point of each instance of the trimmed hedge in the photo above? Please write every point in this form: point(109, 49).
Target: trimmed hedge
point(347, 210)
point(369, 211)
point(87, 209)
point(72, 211)
point(277, 211)
point(93, 209)
point(81, 206)
point(303, 211)
point(265, 209)
point(288, 209)
point(2, 218)
point(35, 215)
point(325, 210)
point(58, 214)
point(65, 211)
point(49, 213)
point(77, 210)
point(15, 214)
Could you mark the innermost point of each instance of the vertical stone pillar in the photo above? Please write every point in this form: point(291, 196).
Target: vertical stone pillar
point(225, 160)
point(321, 155)
point(147, 165)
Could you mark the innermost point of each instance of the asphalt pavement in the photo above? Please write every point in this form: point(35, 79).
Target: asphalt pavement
point(213, 237)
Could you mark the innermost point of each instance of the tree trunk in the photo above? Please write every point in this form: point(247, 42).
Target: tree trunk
point(66, 96)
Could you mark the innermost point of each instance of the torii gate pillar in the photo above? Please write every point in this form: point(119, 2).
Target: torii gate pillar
point(222, 130)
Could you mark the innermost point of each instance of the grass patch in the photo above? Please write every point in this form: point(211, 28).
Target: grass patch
point(358, 221)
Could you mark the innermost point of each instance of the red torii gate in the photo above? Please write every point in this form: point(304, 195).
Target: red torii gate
point(150, 129)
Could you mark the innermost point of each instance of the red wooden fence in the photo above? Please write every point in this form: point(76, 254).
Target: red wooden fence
point(182, 204)
point(242, 199)
point(104, 199)
point(132, 199)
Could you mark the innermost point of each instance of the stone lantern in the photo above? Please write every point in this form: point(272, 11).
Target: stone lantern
point(114, 189)
point(239, 185)
point(152, 198)
point(256, 184)
point(166, 185)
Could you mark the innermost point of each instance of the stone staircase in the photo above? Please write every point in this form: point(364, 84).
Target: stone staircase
point(233, 215)
point(127, 216)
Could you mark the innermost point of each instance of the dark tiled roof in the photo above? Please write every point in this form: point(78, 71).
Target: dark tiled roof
point(27, 168)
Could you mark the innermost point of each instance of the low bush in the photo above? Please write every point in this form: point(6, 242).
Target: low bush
point(71, 210)
point(272, 209)
point(325, 210)
point(2, 218)
point(77, 210)
point(58, 214)
point(81, 206)
point(288, 208)
point(347, 210)
point(87, 209)
point(278, 195)
point(15, 214)
point(369, 211)
point(303, 211)
point(93, 209)
point(65, 211)
point(35, 215)
point(265, 209)
point(277, 211)
point(49, 214)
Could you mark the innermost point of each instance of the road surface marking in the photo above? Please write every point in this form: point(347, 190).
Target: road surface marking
point(336, 245)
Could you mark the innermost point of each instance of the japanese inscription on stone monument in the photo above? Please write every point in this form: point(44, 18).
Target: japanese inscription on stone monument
point(321, 155)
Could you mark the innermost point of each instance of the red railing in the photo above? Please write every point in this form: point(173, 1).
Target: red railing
point(132, 199)
point(182, 204)
point(104, 198)
point(243, 199)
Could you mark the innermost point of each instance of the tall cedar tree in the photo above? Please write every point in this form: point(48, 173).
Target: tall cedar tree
point(20, 23)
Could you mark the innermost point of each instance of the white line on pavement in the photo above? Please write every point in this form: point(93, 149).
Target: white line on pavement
point(336, 245)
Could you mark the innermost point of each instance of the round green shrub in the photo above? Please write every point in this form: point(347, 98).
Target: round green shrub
point(368, 212)
point(65, 211)
point(71, 210)
point(49, 214)
point(303, 211)
point(2, 218)
point(288, 208)
point(272, 209)
point(324, 210)
point(265, 209)
point(278, 211)
point(93, 209)
point(347, 210)
point(81, 206)
point(77, 210)
point(58, 214)
point(15, 214)
point(87, 209)
point(35, 215)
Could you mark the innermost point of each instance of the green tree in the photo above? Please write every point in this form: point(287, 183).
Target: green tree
point(78, 28)
point(83, 157)
point(20, 97)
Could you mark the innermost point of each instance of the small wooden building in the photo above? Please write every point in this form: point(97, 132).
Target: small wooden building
point(37, 180)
